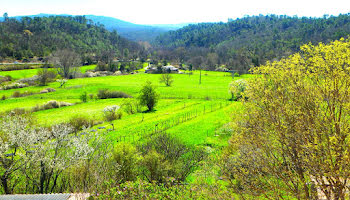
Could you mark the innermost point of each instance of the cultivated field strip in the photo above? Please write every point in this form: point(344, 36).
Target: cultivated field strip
point(147, 130)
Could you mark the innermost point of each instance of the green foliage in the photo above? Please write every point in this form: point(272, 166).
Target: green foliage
point(131, 106)
point(79, 122)
point(293, 137)
point(148, 96)
point(84, 97)
point(167, 156)
point(44, 35)
point(126, 156)
point(250, 41)
point(45, 76)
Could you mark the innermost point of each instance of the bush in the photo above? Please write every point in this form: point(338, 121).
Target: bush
point(17, 94)
point(14, 86)
point(46, 76)
point(79, 122)
point(30, 81)
point(107, 94)
point(126, 156)
point(50, 105)
point(111, 113)
point(167, 156)
point(148, 96)
point(101, 66)
point(5, 78)
point(237, 88)
point(47, 90)
point(84, 97)
point(131, 106)
point(3, 97)
point(236, 74)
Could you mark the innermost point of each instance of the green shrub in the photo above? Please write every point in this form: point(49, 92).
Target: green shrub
point(101, 66)
point(107, 94)
point(167, 156)
point(126, 156)
point(131, 106)
point(236, 74)
point(78, 122)
point(3, 97)
point(45, 76)
point(84, 97)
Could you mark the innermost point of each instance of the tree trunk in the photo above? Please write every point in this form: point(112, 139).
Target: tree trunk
point(4, 184)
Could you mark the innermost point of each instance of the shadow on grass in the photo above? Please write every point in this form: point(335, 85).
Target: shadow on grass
point(149, 111)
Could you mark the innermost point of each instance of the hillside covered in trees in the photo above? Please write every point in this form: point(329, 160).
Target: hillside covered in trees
point(40, 36)
point(242, 43)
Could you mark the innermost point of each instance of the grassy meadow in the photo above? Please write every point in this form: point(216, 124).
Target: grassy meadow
point(195, 110)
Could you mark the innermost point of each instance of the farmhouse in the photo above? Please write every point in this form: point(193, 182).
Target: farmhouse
point(163, 69)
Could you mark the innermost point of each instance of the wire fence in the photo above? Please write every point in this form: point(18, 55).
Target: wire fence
point(164, 125)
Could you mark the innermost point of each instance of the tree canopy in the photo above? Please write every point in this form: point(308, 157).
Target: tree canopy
point(40, 36)
point(250, 41)
point(293, 137)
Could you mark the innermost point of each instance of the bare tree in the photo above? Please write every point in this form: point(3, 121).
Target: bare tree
point(66, 62)
point(167, 79)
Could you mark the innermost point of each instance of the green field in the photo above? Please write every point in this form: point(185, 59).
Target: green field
point(26, 73)
point(178, 103)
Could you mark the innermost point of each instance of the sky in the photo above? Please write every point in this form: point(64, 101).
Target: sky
point(176, 11)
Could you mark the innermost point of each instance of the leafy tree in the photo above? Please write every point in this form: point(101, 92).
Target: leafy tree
point(293, 137)
point(167, 79)
point(148, 96)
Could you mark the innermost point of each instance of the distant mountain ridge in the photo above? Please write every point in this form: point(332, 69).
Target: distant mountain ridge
point(135, 32)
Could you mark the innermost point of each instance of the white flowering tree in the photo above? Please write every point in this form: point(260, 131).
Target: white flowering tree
point(110, 112)
point(16, 139)
point(41, 154)
point(237, 88)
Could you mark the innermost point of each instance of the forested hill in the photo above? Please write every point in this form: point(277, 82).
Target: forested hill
point(40, 36)
point(131, 31)
point(258, 38)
